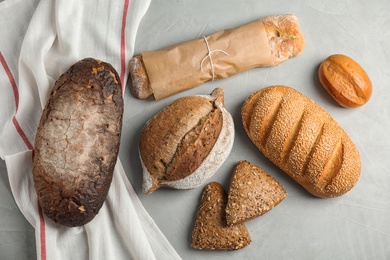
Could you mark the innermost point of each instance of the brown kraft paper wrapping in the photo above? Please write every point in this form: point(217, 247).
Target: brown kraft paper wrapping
point(178, 67)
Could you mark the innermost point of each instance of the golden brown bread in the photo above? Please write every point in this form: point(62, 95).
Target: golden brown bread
point(345, 80)
point(77, 142)
point(185, 143)
point(284, 37)
point(302, 139)
point(285, 41)
point(252, 193)
point(210, 230)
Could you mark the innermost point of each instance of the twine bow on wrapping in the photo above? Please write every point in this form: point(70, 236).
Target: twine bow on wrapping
point(211, 59)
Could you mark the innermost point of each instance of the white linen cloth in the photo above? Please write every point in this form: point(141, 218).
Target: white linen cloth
point(39, 40)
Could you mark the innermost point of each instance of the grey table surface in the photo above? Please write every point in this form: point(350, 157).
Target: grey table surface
point(353, 226)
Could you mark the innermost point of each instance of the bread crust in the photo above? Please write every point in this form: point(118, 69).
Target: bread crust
point(139, 78)
point(284, 37)
point(77, 142)
point(302, 139)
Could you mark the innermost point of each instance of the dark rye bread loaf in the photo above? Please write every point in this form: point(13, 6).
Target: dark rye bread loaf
point(302, 139)
point(77, 142)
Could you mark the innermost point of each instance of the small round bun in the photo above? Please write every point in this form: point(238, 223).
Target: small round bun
point(345, 80)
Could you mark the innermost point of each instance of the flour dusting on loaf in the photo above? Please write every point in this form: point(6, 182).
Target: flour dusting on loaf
point(284, 36)
point(77, 142)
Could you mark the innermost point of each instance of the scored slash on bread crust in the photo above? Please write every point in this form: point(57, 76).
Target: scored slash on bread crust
point(211, 231)
point(302, 139)
point(252, 193)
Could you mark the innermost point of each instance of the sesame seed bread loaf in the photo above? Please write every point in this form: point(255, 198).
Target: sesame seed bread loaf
point(302, 139)
point(211, 231)
point(77, 142)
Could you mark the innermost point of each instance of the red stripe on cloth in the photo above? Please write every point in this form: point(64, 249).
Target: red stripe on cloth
point(11, 80)
point(42, 232)
point(22, 134)
point(16, 97)
point(123, 44)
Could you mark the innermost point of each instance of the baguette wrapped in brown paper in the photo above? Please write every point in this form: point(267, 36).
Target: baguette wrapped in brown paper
point(265, 42)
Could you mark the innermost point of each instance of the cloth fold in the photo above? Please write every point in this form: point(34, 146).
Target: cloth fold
point(122, 229)
point(59, 34)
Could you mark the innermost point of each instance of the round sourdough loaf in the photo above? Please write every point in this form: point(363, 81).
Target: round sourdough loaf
point(77, 142)
point(185, 143)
